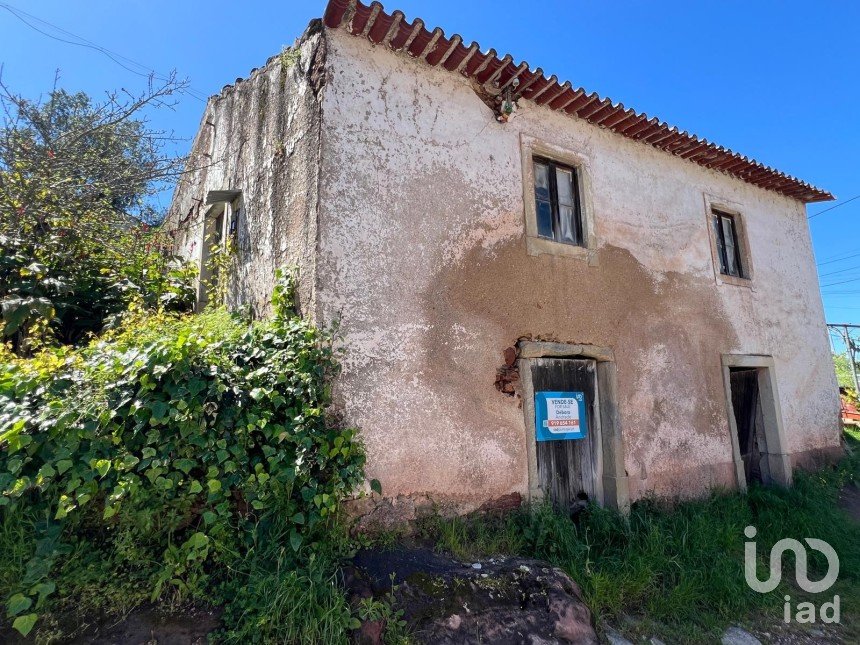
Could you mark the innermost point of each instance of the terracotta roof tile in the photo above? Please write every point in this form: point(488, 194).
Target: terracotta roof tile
point(435, 48)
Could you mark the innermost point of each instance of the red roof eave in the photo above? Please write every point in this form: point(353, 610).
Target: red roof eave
point(436, 49)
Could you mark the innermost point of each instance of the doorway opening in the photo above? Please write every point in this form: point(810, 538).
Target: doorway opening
point(749, 421)
point(755, 421)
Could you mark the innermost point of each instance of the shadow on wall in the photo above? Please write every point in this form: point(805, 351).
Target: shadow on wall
point(667, 334)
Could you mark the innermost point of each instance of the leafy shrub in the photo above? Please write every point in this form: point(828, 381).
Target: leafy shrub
point(170, 454)
point(66, 285)
point(75, 246)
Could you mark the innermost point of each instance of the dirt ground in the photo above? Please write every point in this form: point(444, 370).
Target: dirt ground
point(143, 626)
point(149, 626)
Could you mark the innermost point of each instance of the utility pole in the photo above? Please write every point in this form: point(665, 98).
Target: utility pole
point(851, 347)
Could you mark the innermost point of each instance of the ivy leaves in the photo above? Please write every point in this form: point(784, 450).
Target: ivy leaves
point(185, 433)
point(17, 604)
point(24, 624)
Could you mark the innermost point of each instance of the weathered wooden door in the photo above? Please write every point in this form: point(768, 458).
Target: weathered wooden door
point(568, 470)
point(748, 420)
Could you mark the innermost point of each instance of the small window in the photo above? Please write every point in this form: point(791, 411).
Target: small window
point(728, 247)
point(216, 236)
point(214, 224)
point(557, 206)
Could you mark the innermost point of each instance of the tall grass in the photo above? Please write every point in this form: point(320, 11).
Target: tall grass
point(679, 564)
point(276, 596)
point(16, 546)
point(289, 605)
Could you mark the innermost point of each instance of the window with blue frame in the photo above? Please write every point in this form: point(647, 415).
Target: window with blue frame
point(557, 203)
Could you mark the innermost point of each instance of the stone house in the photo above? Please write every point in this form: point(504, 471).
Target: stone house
point(539, 291)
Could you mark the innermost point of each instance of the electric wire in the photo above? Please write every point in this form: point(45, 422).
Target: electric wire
point(833, 207)
point(839, 257)
point(854, 268)
point(833, 284)
point(112, 55)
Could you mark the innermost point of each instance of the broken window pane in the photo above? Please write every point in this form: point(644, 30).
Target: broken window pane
point(728, 235)
point(543, 201)
point(721, 245)
point(542, 181)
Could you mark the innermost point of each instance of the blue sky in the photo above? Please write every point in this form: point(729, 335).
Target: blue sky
point(778, 81)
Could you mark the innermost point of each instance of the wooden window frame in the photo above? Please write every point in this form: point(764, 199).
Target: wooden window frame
point(714, 204)
point(535, 245)
point(722, 250)
point(554, 202)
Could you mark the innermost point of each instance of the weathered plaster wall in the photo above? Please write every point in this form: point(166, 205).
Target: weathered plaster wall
point(422, 258)
point(261, 136)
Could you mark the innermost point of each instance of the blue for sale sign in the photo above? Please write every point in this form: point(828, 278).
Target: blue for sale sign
point(560, 415)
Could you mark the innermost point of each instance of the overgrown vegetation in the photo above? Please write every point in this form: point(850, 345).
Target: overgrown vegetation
point(289, 57)
point(843, 371)
point(76, 241)
point(146, 455)
point(680, 567)
point(177, 458)
point(150, 456)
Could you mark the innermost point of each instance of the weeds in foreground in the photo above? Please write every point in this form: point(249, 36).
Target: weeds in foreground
point(385, 610)
point(680, 565)
point(289, 605)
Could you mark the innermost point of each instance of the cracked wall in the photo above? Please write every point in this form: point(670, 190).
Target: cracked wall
point(422, 260)
point(261, 136)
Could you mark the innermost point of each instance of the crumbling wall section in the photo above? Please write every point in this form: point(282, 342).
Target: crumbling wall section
point(260, 136)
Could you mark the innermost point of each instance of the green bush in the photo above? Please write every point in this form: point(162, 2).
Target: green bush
point(170, 456)
point(76, 246)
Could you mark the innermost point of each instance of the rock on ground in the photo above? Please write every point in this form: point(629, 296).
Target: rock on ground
point(615, 638)
point(738, 636)
point(506, 600)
